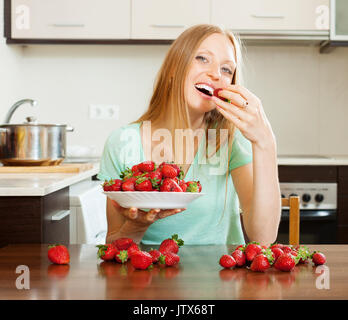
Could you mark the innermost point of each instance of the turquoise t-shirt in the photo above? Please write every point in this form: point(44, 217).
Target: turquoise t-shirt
point(204, 221)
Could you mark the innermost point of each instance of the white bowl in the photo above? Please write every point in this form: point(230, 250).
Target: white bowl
point(153, 200)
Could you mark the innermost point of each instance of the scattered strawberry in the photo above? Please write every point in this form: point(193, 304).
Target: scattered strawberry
point(58, 254)
point(171, 245)
point(106, 252)
point(123, 243)
point(252, 250)
point(285, 262)
point(141, 260)
point(239, 256)
point(155, 255)
point(303, 253)
point(260, 263)
point(318, 258)
point(169, 259)
point(227, 261)
point(287, 249)
point(277, 252)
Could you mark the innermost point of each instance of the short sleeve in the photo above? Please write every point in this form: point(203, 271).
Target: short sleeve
point(241, 151)
point(122, 149)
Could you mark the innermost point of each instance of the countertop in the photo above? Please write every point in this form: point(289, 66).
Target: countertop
point(313, 160)
point(41, 184)
point(198, 276)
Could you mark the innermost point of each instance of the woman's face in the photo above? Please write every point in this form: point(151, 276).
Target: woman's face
point(212, 67)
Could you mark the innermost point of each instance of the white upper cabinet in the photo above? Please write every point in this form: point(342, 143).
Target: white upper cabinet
point(262, 16)
point(70, 19)
point(166, 19)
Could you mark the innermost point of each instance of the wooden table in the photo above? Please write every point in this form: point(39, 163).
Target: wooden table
point(197, 277)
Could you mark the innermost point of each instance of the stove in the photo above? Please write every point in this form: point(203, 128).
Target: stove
point(318, 212)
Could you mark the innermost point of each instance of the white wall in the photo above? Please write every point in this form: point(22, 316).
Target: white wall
point(304, 93)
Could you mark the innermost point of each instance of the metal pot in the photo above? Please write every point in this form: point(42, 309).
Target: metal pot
point(31, 143)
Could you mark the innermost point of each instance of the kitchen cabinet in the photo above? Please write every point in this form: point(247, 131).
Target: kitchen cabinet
point(35, 219)
point(70, 19)
point(269, 16)
point(166, 19)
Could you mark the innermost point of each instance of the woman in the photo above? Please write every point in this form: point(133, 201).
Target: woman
point(201, 59)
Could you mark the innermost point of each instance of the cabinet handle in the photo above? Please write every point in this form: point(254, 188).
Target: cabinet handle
point(266, 16)
point(60, 215)
point(167, 26)
point(69, 25)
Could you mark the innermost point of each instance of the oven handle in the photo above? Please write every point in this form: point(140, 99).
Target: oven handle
point(314, 215)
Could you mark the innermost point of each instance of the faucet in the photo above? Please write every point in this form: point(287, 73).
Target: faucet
point(16, 105)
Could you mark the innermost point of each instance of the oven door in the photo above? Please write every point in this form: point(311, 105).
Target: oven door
point(316, 227)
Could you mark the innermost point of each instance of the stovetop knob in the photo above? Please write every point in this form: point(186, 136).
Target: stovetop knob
point(306, 197)
point(319, 197)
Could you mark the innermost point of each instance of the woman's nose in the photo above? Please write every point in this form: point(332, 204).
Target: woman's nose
point(214, 71)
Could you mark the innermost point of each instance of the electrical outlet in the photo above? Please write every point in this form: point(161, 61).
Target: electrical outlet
point(104, 111)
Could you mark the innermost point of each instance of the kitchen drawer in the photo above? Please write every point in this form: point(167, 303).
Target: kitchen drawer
point(70, 19)
point(263, 15)
point(166, 19)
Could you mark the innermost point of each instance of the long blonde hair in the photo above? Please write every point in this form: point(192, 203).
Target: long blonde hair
point(168, 98)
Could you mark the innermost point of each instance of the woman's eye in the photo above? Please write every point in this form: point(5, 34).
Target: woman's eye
point(201, 58)
point(227, 70)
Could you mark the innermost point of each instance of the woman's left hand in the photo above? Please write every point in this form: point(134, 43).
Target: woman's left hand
point(245, 111)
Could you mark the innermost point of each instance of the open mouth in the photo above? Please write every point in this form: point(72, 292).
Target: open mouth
point(204, 88)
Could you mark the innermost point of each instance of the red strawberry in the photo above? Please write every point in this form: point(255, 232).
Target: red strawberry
point(135, 169)
point(141, 260)
point(106, 252)
point(277, 245)
point(240, 246)
point(287, 249)
point(155, 255)
point(318, 258)
point(285, 262)
point(216, 94)
point(277, 252)
point(168, 171)
point(171, 245)
point(156, 178)
point(126, 174)
point(146, 166)
point(169, 259)
point(227, 261)
point(121, 256)
point(107, 185)
point(132, 249)
point(183, 185)
point(169, 185)
point(129, 184)
point(303, 253)
point(239, 256)
point(193, 186)
point(123, 243)
point(143, 184)
point(252, 250)
point(58, 254)
point(260, 263)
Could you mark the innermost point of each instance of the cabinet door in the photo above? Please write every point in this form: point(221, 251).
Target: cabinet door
point(70, 19)
point(166, 19)
point(270, 15)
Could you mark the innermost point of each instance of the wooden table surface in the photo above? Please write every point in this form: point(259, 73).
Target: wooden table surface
point(198, 276)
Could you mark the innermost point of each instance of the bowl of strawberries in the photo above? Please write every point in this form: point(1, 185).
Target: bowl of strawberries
point(147, 186)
